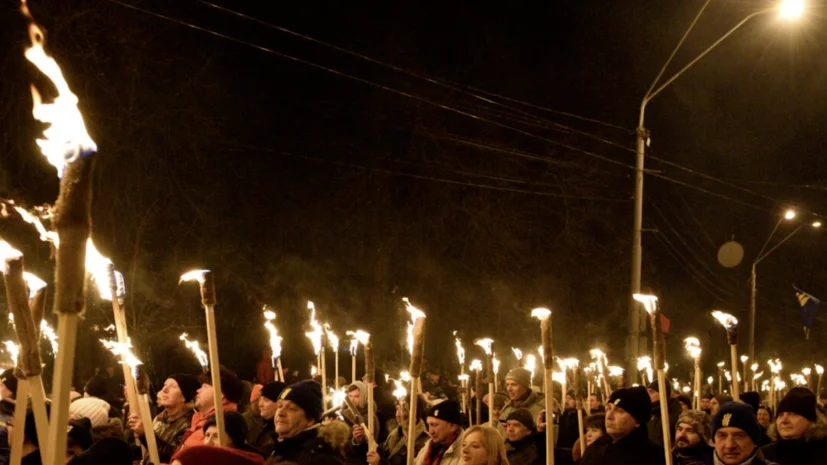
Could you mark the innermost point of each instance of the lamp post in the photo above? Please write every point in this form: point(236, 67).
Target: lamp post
point(789, 215)
point(786, 9)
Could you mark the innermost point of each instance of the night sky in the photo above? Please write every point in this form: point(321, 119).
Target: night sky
point(477, 159)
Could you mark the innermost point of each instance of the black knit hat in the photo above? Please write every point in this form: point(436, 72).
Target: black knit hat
point(231, 387)
point(235, 425)
point(272, 390)
point(307, 395)
point(188, 384)
point(654, 386)
point(10, 381)
point(635, 401)
point(523, 416)
point(111, 451)
point(96, 386)
point(447, 410)
point(800, 401)
point(80, 431)
point(737, 415)
point(752, 398)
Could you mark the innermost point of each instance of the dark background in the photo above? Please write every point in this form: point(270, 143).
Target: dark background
point(299, 171)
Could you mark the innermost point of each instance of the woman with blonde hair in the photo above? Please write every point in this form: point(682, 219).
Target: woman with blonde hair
point(483, 445)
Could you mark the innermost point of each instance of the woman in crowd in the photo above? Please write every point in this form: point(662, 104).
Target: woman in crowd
point(483, 445)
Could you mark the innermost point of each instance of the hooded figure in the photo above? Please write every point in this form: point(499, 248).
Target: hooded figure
point(358, 395)
point(627, 415)
point(800, 431)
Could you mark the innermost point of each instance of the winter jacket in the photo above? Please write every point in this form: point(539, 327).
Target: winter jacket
point(534, 402)
point(363, 411)
point(568, 429)
point(195, 435)
point(452, 456)
point(385, 411)
point(634, 449)
point(265, 437)
point(394, 451)
point(319, 446)
point(698, 455)
point(655, 426)
point(169, 434)
point(5, 448)
point(808, 450)
point(524, 451)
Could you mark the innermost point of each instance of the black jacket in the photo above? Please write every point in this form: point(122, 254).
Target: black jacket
point(569, 429)
point(524, 451)
point(634, 449)
point(797, 451)
point(321, 446)
point(698, 455)
point(265, 437)
point(655, 426)
point(757, 459)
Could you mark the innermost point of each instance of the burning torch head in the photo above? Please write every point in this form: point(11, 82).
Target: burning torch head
point(730, 323)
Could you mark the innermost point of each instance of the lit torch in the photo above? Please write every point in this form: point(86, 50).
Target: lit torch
point(693, 347)
point(650, 303)
point(37, 295)
point(333, 339)
point(476, 367)
point(275, 343)
point(316, 336)
point(463, 378)
point(819, 372)
point(207, 285)
point(730, 323)
point(644, 367)
point(354, 346)
point(544, 315)
point(744, 360)
point(486, 344)
point(416, 346)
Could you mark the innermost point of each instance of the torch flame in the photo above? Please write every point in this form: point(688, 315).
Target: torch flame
point(710, 380)
point(757, 375)
point(775, 366)
point(744, 359)
point(337, 397)
point(47, 332)
point(721, 364)
point(727, 375)
point(354, 343)
point(196, 349)
point(415, 312)
point(118, 349)
point(313, 370)
point(530, 363)
point(568, 363)
point(332, 338)
point(194, 275)
point(66, 139)
point(399, 391)
point(615, 370)
point(34, 283)
point(7, 252)
point(754, 367)
point(13, 349)
point(819, 370)
point(275, 339)
point(650, 302)
point(45, 235)
point(693, 347)
point(807, 371)
point(405, 376)
point(316, 334)
point(359, 336)
point(517, 353)
point(476, 365)
point(460, 350)
point(541, 313)
point(645, 363)
point(485, 343)
point(496, 363)
point(98, 267)
point(558, 376)
point(728, 321)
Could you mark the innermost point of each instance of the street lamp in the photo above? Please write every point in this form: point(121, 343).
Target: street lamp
point(789, 215)
point(786, 9)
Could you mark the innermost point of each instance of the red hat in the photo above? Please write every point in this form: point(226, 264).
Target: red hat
point(211, 455)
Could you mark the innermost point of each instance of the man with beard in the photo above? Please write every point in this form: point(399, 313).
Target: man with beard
point(692, 439)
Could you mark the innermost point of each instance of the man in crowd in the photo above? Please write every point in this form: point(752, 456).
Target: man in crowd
point(693, 439)
point(300, 439)
point(736, 436)
point(265, 438)
point(520, 439)
point(176, 398)
point(444, 447)
point(568, 428)
point(800, 431)
point(231, 392)
point(674, 410)
point(520, 395)
point(705, 400)
point(357, 393)
point(627, 415)
point(594, 405)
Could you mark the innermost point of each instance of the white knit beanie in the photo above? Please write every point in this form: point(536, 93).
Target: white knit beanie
point(96, 410)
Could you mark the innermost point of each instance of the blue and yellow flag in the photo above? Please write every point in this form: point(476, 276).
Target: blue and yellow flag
point(808, 305)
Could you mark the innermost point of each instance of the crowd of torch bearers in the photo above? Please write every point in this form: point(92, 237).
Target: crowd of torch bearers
point(69, 148)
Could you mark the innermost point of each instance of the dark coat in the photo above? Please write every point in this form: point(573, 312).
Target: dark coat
point(394, 451)
point(757, 459)
point(655, 426)
point(568, 429)
point(524, 451)
point(634, 449)
point(265, 437)
point(321, 446)
point(695, 456)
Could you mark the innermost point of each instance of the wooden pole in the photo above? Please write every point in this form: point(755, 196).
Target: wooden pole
point(37, 307)
point(491, 420)
point(548, 366)
point(142, 385)
point(478, 389)
point(818, 389)
point(698, 379)
point(323, 369)
point(352, 368)
point(733, 351)
point(578, 397)
point(336, 372)
point(280, 372)
point(19, 419)
point(370, 379)
point(416, 372)
point(659, 359)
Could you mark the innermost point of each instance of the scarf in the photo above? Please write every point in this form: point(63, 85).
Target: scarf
point(435, 451)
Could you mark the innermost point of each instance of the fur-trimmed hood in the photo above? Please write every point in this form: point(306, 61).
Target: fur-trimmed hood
point(336, 434)
point(816, 431)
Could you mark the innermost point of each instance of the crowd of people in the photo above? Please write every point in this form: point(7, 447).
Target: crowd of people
point(277, 423)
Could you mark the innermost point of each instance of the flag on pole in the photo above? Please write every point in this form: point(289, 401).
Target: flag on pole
point(665, 324)
point(808, 305)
